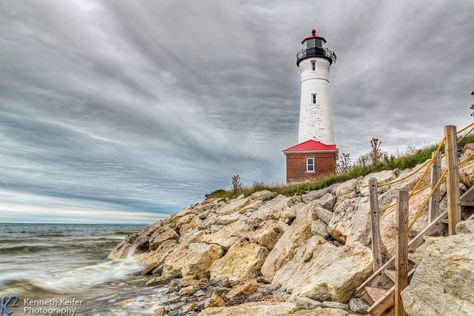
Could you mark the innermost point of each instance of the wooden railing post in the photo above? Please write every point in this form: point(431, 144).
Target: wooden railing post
point(374, 216)
point(433, 208)
point(401, 255)
point(452, 179)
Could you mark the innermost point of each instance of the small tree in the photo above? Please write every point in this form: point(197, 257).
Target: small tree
point(363, 160)
point(343, 163)
point(236, 183)
point(376, 154)
point(472, 106)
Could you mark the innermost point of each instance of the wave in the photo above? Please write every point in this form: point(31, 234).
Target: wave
point(75, 280)
point(23, 249)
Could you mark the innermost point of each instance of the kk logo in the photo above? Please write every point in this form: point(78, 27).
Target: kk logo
point(6, 302)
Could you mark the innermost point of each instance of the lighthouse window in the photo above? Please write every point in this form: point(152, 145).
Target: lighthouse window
point(309, 164)
point(313, 98)
point(313, 64)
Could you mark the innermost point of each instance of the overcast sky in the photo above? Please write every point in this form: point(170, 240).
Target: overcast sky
point(123, 111)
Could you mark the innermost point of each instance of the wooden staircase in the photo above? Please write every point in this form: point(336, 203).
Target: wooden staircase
point(378, 290)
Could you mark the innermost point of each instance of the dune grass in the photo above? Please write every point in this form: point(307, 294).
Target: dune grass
point(389, 163)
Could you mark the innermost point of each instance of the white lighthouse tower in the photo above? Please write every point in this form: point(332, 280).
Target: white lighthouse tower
point(314, 62)
point(315, 154)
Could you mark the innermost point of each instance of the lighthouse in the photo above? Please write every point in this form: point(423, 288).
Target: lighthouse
point(316, 152)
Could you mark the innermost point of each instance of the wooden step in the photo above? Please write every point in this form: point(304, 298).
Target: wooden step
point(391, 274)
point(375, 293)
point(383, 303)
point(469, 204)
point(468, 196)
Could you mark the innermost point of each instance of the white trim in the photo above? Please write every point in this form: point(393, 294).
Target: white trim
point(314, 165)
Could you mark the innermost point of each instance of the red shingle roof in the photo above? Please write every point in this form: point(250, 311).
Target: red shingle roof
point(311, 145)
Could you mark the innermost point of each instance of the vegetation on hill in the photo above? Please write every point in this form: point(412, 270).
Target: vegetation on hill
point(389, 162)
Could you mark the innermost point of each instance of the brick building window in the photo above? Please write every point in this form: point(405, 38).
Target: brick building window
point(313, 98)
point(309, 164)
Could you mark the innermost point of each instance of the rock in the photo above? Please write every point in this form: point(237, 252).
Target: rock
point(335, 305)
point(121, 251)
point(314, 195)
point(381, 177)
point(246, 288)
point(233, 206)
point(346, 213)
point(323, 214)
point(252, 309)
point(159, 280)
point(216, 301)
point(158, 255)
point(268, 234)
point(229, 219)
point(358, 305)
point(158, 239)
point(251, 207)
point(227, 235)
point(322, 271)
point(200, 257)
point(242, 261)
point(263, 195)
point(442, 282)
point(327, 201)
point(177, 258)
point(347, 190)
point(465, 227)
point(188, 290)
point(466, 174)
point(306, 302)
point(292, 238)
point(159, 311)
point(319, 228)
point(189, 308)
point(319, 311)
point(271, 209)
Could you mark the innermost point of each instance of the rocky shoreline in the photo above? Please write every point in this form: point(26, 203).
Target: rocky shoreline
point(269, 254)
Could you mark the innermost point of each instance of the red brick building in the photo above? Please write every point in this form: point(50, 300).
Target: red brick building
point(309, 160)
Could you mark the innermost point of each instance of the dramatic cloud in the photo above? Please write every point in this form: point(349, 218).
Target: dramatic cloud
point(127, 110)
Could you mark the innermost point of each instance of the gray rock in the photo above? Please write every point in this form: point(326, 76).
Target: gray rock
point(335, 305)
point(323, 214)
point(358, 305)
point(306, 302)
point(313, 195)
point(319, 228)
point(327, 201)
point(465, 227)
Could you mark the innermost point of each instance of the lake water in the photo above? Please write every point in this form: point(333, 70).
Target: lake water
point(41, 262)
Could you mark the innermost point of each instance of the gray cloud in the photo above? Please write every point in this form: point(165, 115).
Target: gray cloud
point(143, 107)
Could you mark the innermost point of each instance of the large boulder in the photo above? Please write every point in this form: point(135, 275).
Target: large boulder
point(233, 206)
point(241, 262)
point(314, 195)
point(351, 221)
point(269, 234)
point(157, 256)
point(443, 280)
point(466, 173)
point(226, 236)
point(327, 201)
point(322, 271)
point(158, 238)
point(295, 236)
point(270, 210)
point(199, 259)
point(347, 190)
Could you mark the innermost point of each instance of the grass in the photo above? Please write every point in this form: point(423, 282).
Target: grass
point(389, 163)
